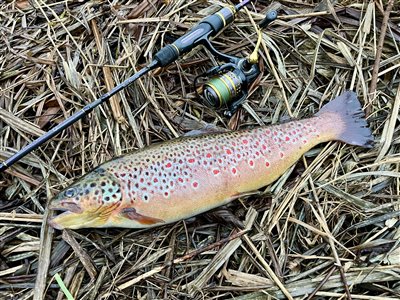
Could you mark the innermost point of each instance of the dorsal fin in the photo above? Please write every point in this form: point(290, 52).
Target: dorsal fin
point(207, 129)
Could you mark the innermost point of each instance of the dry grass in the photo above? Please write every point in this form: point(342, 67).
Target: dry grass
point(327, 229)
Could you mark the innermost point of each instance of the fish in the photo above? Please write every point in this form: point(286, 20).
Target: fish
point(178, 179)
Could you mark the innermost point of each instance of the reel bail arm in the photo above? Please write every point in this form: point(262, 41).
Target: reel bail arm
point(230, 82)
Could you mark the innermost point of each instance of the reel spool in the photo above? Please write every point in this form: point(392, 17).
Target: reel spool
point(220, 90)
point(227, 85)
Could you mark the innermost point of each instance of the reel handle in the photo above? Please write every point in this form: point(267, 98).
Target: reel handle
point(269, 18)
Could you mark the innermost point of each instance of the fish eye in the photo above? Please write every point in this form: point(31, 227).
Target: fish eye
point(69, 193)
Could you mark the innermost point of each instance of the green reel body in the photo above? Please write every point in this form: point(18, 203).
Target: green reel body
point(221, 89)
point(227, 86)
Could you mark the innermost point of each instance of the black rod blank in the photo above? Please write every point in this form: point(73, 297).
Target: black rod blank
point(75, 117)
point(208, 27)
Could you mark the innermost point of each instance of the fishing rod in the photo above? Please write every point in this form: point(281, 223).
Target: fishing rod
point(228, 86)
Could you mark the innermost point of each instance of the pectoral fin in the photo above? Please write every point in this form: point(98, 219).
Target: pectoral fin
point(132, 214)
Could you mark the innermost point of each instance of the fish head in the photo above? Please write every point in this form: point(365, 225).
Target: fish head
point(89, 202)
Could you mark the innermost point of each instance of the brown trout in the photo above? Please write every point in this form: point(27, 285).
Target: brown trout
point(178, 179)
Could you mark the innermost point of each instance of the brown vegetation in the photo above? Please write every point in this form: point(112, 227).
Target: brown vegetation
point(328, 228)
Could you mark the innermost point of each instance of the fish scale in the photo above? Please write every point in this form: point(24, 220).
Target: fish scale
point(159, 172)
point(177, 179)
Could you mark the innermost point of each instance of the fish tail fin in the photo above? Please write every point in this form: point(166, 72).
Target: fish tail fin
point(345, 110)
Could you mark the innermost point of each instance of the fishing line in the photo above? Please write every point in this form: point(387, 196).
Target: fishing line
point(227, 88)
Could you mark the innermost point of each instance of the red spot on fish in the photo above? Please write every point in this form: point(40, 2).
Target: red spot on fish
point(305, 141)
point(267, 164)
point(141, 180)
point(245, 142)
point(195, 184)
point(233, 144)
point(220, 160)
point(208, 155)
point(216, 172)
point(168, 165)
point(268, 131)
point(123, 174)
point(216, 148)
point(287, 139)
point(257, 153)
point(166, 194)
point(264, 147)
point(275, 132)
point(228, 151)
point(155, 180)
point(294, 131)
point(180, 179)
point(251, 163)
point(238, 155)
point(191, 160)
point(234, 171)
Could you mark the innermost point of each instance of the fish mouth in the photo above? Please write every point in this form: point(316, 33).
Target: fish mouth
point(72, 216)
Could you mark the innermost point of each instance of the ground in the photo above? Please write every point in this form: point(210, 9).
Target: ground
point(327, 229)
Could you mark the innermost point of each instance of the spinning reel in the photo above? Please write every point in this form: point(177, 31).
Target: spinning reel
point(227, 85)
point(227, 88)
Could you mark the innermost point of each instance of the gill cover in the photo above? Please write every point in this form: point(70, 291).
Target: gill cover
point(88, 202)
